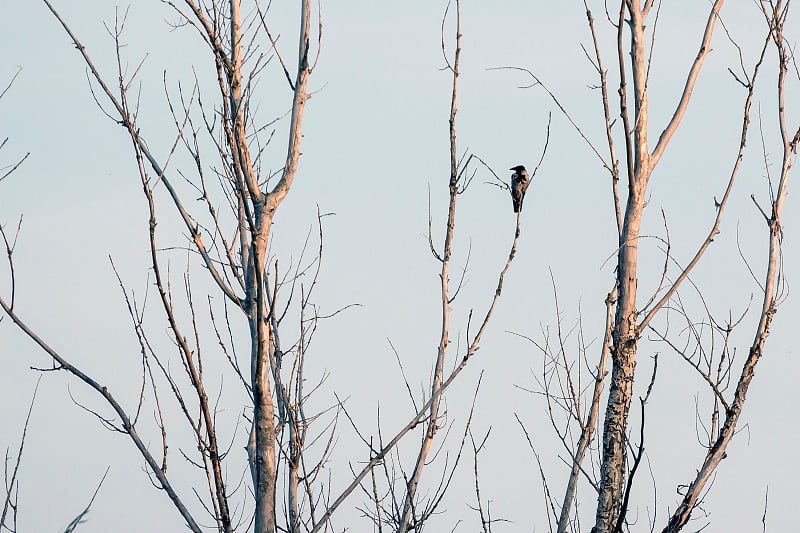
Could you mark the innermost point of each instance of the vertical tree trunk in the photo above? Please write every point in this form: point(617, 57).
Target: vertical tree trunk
point(264, 408)
point(640, 165)
point(625, 332)
point(623, 352)
point(262, 446)
point(407, 517)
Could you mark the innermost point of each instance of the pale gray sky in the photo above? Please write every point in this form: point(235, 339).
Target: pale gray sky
point(375, 140)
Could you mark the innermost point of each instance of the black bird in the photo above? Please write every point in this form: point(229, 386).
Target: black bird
point(519, 184)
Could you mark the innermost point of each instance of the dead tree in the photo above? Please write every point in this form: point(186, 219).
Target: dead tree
point(413, 513)
point(629, 316)
point(631, 320)
point(726, 412)
point(233, 248)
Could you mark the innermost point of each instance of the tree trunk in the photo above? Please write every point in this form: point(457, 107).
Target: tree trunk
point(623, 352)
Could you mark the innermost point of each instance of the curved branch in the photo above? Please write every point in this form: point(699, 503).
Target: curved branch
point(130, 430)
point(691, 78)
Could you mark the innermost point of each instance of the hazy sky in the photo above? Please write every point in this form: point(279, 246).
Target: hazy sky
point(375, 144)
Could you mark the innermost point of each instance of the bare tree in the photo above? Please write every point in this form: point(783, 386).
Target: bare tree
point(224, 141)
point(413, 514)
point(629, 317)
point(726, 413)
point(233, 248)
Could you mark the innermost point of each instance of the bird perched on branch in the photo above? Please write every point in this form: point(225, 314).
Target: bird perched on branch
point(519, 184)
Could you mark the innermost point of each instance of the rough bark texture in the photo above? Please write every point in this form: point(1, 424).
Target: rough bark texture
point(640, 165)
point(625, 332)
point(623, 353)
